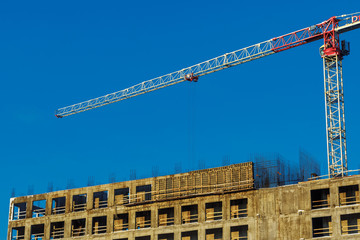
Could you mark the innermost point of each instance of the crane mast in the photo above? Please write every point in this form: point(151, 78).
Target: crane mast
point(332, 53)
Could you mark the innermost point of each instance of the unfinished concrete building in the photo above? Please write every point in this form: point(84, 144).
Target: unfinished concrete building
point(210, 204)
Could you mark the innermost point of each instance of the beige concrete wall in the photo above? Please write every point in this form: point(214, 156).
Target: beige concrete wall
point(273, 213)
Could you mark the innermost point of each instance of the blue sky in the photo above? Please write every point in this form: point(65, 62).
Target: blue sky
point(55, 54)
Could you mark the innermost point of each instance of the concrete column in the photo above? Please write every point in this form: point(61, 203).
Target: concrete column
point(110, 222)
point(47, 228)
point(201, 211)
point(67, 225)
point(88, 225)
point(90, 199)
point(154, 216)
point(177, 215)
point(111, 197)
point(132, 219)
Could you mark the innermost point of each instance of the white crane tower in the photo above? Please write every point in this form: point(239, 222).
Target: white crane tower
point(332, 53)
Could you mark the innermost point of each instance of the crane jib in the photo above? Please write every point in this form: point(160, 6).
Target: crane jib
point(339, 24)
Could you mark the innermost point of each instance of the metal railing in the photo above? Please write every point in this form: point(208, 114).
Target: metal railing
point(99, 229)
point(143, 224)
point(101, 204)
point(79, 207)
point(37, 236)
point(20, 237)
point(78, 232)
point(212, 216)
point(57, 233)
point(121, 227)
point(318, 232)
point(239, 213)
point(350, 228)
point(190, 219)
point(19, 215)
point(166, 221)
point(323, 203)
point(38, 213)
point(349, 200)
point(58, 210)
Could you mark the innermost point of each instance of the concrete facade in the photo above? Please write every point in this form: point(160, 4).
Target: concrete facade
point(307, 210)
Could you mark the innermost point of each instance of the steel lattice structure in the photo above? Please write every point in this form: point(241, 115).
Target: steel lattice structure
point(328, 30)
point(335, 116)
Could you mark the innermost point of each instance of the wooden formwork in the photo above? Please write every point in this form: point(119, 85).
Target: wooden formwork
point(230, 178)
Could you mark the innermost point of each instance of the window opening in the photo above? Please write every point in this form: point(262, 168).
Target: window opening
point(19, 211)
point(79, 202)
point(166, 216)
point(121, 222)
point(78, 227)
point(58, 205)
point(213, 211)
point(38, 208)
point(143, 219)
point(320, 198)
point(121, 196)
point(57, 230)
point(189, 214)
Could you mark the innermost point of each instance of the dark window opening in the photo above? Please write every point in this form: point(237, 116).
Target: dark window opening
point(213, 211)
point(239, 232)
point(101, 199)
point(189, 214)
point(349, 195)
point(166, 217)
point(19, 211)
point(322, 227)
point(57, 230)
point(121, 222)
point(38, 208)
point(121, 196)
point(143, 238)
point(99, 225)
point(18, 233)
point(78, 227)
point(350, 223)
point(238, 208)
point(79, 202)
point(320, 198)
point(143, 193)
point(143, 219)
point(214, 234)
point(37, 232)
point(193, 235)
point(169, 236)
point(58, 205)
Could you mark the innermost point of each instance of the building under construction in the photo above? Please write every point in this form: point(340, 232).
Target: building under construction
point(252, 200)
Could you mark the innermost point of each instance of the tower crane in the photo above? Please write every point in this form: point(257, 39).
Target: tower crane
point(332, 53)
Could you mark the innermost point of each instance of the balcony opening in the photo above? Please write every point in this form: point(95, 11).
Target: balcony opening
point(350, 223)
point(214, 234)
point(189, 214)
point(238, 208)
point(322, 227)
point(143, 238)
point(192, 235)
point(143, 193)
point(57, 230)
point(349, 195)
point(58, 205)
point(101, 199)
point(166, 216)
point(38, 208)
point(213, 211)
point(37, 232)
point(19, 211)
point(99, 225)
point(320, 198)
point(121, 222)
point(121, 196)
point(78, 227)
point(143, 219)
point(79, 202)
point(239, 232)
point(18, 233)
point(169, 236)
